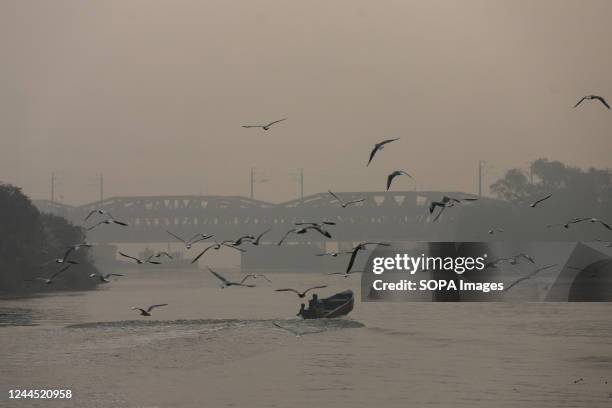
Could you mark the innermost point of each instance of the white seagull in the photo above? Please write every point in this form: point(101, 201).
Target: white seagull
point(108, 221)
point(216, 246)
point(532, 274)
point(258, 238)
point(105, 278)
point(333, 253)
point(535, 203)
point(360, 247)
point(579, 220)
point(264, 127)
point(92, 212)
point(189, 242)
point(304, 230)
point(379, 146)
point(147, 311)
point(593, 97)
point(301, 294)
point(51, 279)
point(141, 261)
point(344, 204)
point(393, 175)
point(445, 203)
point(226, 283)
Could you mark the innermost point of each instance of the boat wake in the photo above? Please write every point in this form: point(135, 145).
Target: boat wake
point(295, 324)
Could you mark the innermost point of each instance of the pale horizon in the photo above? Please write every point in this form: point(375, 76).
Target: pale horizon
point(153, 94)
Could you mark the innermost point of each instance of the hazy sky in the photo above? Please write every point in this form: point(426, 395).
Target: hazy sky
point(152, 93)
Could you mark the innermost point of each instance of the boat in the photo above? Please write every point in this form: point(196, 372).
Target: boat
point(337, 305)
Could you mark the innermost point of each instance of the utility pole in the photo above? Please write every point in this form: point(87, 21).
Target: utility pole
point(301, 184)
point(480, 164)
point(52, 187)
point(252, 182)
point(101, 187)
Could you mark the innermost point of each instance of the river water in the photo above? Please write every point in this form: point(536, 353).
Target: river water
point(213, 347)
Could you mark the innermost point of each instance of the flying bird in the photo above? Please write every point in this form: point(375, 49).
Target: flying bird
point(393, 175)
point(216, 246)
point(593, 97)
point(512, 260)
point(255, 276)
point(301, 294)
point(535, 203)
point(532, 274)
point(258, 238)
point(360, 247)
point(51, 279)
point(147, 312)
point(92, 212)
point(226, 283)
point(379, 146)
point(579, 220)
point(333, 253)
point(108, 221)
point(345, 274)
point(264, 127)
point(494, 230)
point(316, 224)
point(446, 202)
point(189, 242)
point(162, 253)
point(303, 230)
point(344, 204)
point(140, 261)
point(105, 278)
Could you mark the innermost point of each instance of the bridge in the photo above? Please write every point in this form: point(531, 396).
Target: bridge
point(396, 215)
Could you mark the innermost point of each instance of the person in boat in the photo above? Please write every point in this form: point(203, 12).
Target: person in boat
point(302, 311)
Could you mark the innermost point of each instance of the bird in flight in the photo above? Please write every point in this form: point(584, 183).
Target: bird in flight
point(105, 278)
point(344, 204)
point(258, 238)
point(345, 274)
point(445, 203)
point(92, 212)
point(76, 247)
point(393, 175)
point(579, 220)
point(360, 247)
point(51, 279)
point(494, 230)
point(333, 253)
point(189, 242)
point(316, 224)
point(535, 203)
point(264, 127)
point(593, 97)
point(532, 274)
point(147, 311)
point(512, 260)
point(141, 261)
point(379, 146)
point(108, 221)
point(162, 253)
point(303, 230)
point(226, 283)
point(239, 241)
point(607, 244)
point(255, 276)
point(216, 246)
point(301, 294)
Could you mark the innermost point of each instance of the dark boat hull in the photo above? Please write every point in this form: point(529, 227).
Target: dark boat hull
point(337, 305)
